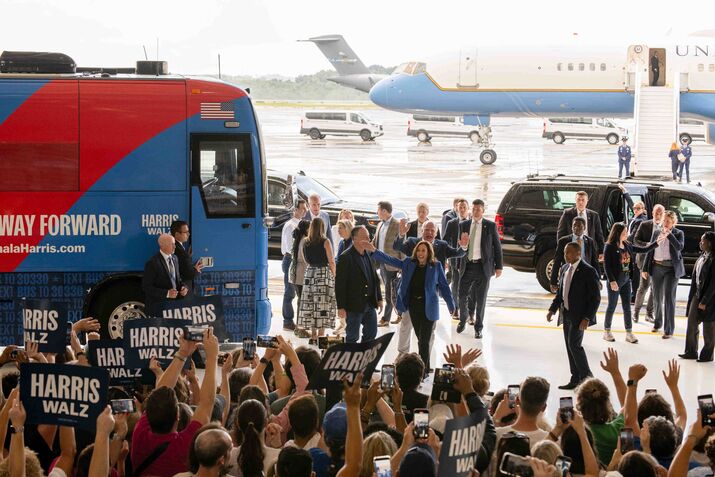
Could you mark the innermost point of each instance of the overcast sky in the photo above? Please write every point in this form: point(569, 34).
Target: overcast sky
point(258, 37)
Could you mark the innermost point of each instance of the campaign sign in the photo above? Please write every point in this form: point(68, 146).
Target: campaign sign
point(63, 394)
point(202, 310)
point(45, 323)
point(462, 439)
point(346, 360)
point(111, 355)
point(148, 338)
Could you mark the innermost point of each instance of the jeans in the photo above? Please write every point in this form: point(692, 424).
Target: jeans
point(288, 292)
point(578, 362)
point(473, 281)
point(368, 320)
point(624, 291)
point(674, 166)
point(424, 329)
point(684, 165)
point(623, 163)
point(693, 333)
point(388, 278)
point(664, 287)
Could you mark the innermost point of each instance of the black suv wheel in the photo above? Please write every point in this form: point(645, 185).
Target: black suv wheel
point(544, 265)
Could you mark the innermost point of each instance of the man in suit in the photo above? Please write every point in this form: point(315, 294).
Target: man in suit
point(387, 231)
point(639, 216)
point(588, 250)
point(577, 301)
point(642, 237)
point(357, 289)
point(701, 303)
point(482, 261)
point(451, 236)
point(593, 222)
point(416, 228)
point(665, 266)
point(188, 270)
point(654, 69)
point(315, 212)
point(450, 214)
point(624, 157)
point(162, 280)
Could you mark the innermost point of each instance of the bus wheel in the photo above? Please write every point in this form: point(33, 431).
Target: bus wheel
point(315, 134)
point(120, 301)
point(488, 156)
point(422, 136)
point(558, 138)
point(612, 139)
point(365, 135)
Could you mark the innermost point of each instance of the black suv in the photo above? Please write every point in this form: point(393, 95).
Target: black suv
point(529, 214)
point(283, 188)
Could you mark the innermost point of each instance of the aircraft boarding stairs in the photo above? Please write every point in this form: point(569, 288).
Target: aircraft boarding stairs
point(657, 117)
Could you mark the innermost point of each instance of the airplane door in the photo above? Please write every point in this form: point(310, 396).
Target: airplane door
point(468, 67)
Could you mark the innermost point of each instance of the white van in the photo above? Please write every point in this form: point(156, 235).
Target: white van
point(559, 129)
point(318, 124)
point(691, 130)
point(425, 127)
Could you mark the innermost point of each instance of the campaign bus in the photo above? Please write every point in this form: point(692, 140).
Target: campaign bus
point(96, 163)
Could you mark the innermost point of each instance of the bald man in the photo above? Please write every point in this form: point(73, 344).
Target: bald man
point(162, 280)
point(213, 452)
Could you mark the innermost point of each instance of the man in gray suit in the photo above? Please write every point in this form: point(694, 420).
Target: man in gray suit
point(387, 231)
point(314, 212)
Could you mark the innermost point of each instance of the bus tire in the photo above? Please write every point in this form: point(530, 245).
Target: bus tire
point(488, 156)
point(422, 136)
point(685, 139)
point(544, 264)
point(366, 135)
point(474, 137)
point(315, 134)
point(115, 303)
point(612, 139)
point(558, 138)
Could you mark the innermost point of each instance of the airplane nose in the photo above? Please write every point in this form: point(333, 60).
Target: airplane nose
point(379, 92)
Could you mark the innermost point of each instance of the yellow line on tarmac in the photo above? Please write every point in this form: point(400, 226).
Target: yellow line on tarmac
point(514, 308)
point(555, 328)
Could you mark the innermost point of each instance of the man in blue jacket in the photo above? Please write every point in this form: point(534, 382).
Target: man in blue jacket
point(624, 157)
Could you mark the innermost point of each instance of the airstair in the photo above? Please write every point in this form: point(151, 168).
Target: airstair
point(656, 117)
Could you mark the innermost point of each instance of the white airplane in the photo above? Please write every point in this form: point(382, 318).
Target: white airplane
point(566, 82)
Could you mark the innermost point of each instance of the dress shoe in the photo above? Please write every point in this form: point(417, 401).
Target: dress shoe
point(397, 320)
point(635, 317)
point(688, 356)
point(460, 327)
point(666, 337)
point(649, 318)
point(478, 335)
point(705, 360)
point(568, 386)
point(455, 317)
point(655, 330)
point(289, 327)
point(470, 322)
point(383, 323)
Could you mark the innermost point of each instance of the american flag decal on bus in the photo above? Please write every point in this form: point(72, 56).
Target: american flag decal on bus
point(217, 110)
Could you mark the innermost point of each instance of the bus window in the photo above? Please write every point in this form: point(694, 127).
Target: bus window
point(570, 66)
point(225, 171)
point(603, 66)
point(592, 67)
point(558, 67)
point(581, 67)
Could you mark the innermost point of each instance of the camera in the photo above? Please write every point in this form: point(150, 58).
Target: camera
point(121, 406)
point(194, 333)
point(222, 358)
point(325, 342)
point(265, 341)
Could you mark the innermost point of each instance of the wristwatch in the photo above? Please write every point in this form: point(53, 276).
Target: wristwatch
point(264, 361)
point(17, 430)
point(631, 382)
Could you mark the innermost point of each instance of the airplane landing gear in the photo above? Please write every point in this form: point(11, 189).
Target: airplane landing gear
point(488, 155)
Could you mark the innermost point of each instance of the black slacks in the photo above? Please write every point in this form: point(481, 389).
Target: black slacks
point(578, 362)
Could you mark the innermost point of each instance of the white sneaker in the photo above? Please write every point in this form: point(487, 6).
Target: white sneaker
point(608, 336)
point(630, 337)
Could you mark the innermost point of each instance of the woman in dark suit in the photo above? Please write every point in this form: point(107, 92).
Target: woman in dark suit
point(617, 261)
point(422, 276)
point(701, 303)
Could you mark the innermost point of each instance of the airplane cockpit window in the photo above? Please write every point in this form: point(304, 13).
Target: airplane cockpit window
point(412, 68)
point(400, 69)
point(419, 68)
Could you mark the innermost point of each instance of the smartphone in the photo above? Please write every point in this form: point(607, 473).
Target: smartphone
point(488, 398)
point(443, 377)
point(651, 391)
point(194, 333)
point(512, 393)
point(387, 377)
point(420, 418)
point(222, 358)
point(249, 348)
point(566, 409)
point(17, 352)
point(121, 406)
point(265, 341)
point(516, 465)
point(707, 407)
point(626, 437)
point(207, 262)
point(563, 464)
point(382, 466)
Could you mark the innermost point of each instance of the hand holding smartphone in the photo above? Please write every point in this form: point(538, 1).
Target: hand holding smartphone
point(626, 438)
point(421, 421)
point(381, 465)
point(707, 407)
point(122, 406)
point(566, 409)
point(387, 378)
point(249, 349)
point(512, 394)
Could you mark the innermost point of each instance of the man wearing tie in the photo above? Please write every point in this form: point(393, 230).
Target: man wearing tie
point(187, 269)
point(624, 157)
point(593, 222)
point(588, 250)
point(577, 301)
point(482, 261)
point(162, 279)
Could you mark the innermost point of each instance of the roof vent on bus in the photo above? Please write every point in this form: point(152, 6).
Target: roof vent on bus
point(156, 68)
point(36, 62)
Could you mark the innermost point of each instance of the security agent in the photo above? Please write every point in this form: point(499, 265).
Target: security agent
point(624, 157)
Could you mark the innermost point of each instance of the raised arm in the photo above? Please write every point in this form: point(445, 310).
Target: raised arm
point(630, 410)
point(99, 465)
point(68, 450)
point(16, 458)
point(353, 441)
point(671, 379)
point(680, 465)
point(171, 375)
point(610, 365)
point(208, 386)
point(379, 256)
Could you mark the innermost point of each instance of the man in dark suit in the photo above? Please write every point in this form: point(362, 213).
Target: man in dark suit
point(451, 236)
point(665, 266)
point(450, 214)
point(315, 212)
point(187, 269)
point(594, 229)
point(588, 250)
point(483, 260)
point(162, 280)
point(641, 237)
point(701, 303)
point(357, 289)
point(416, 227)
point(576, 301)
point(442, 250)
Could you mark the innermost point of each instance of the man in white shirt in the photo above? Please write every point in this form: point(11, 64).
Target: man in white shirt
point(387, 231)
point(162, 278)
point(315, 212)
point(286, 250)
